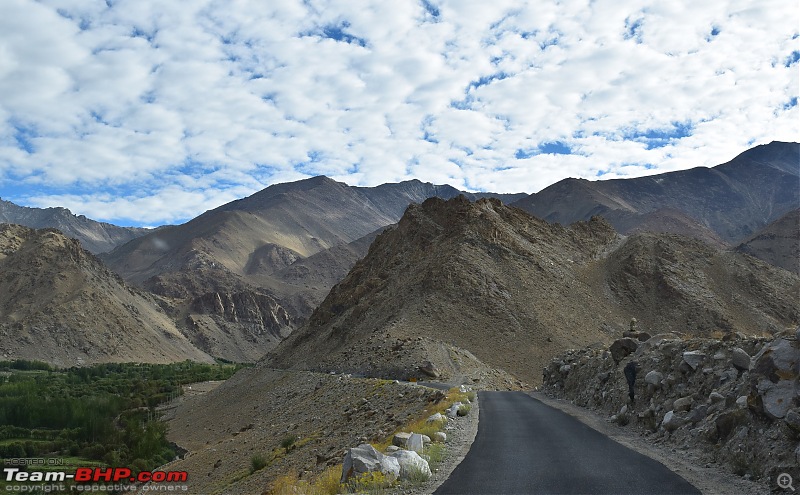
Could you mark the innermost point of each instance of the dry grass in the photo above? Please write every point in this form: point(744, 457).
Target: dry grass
point(325, 483)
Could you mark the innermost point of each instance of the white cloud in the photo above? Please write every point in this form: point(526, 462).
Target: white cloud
point(144, 111)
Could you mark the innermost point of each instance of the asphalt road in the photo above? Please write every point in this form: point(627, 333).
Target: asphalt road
point(525, 446)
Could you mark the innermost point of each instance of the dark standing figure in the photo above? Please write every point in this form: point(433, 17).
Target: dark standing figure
point(630, 375)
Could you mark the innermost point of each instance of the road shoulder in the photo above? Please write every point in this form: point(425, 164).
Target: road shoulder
point(710, 480)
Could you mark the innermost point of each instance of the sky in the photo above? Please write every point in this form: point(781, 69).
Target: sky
point(145, 112)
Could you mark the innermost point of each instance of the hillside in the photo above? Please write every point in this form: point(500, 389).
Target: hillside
point(513, 290)
point(95, 237)
point(60, 304)
point(273, 255)
point(778, 243)
point(733, 200)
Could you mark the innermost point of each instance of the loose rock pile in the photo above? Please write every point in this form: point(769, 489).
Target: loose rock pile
point(735, 401)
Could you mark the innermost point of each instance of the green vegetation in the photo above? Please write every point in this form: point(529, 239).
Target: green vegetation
point(288, 442)
point(103, 413)
point(257, 463)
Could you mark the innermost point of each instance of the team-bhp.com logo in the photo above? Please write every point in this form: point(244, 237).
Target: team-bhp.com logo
point(94, 475)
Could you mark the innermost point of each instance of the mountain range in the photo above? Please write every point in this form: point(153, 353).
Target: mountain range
point(239, 279)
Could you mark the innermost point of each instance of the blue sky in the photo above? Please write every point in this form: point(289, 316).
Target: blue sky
point(141, 112)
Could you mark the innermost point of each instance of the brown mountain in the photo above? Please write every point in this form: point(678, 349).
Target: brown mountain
point(778, 243)
point(511, 290)
point(733, 200)
point(96, 237)
point(283, 247)
point(60, 304)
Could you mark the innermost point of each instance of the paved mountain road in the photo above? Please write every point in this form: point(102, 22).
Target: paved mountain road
point(525, 446)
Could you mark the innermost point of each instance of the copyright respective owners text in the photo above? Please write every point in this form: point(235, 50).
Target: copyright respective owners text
point(53, 475)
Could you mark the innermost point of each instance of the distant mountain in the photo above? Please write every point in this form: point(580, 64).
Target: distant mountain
point(733, 200)
point(264, 246)
point(511, 289)
point(778, 243)
point(60, 304)
point(96, 237)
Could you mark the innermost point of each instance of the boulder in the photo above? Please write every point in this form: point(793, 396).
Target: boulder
point(682, 405)
point(728, 421)
point(411, 464)
point(415, 443)
point(693, 358)
point(622, 347)
point(778, 360)
point(740, 359)
point(401, 439)
point(716, 397)
point(777, 398)
point(698, 414)
point(792, 419)
point(426, 440)
point(365, 459)
point(429, 369)
point(453, 411)
point(434, 418)
point(392, 448)
point(672, 421)
point(439, 437)
point(653, 378)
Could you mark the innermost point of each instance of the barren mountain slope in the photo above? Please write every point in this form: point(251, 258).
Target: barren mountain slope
point(96, 237)
point(242, 275)
point(60, 304)
point(513, 290)
point(734, 199)
point(778, 243)
point(671, 221)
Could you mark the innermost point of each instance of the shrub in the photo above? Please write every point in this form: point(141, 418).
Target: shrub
point(288, 442)
point(257, 462)
point(464, 409)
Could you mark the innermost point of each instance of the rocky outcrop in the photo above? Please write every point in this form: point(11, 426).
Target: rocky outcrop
point(258, 312)
point(700, 394)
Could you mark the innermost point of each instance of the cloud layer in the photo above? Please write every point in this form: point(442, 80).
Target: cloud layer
point(145, 112)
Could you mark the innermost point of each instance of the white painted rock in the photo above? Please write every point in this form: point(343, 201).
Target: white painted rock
point(401, 439)
point(436, 417)
point(415, 443)
point(411, 463)
point(365, 459)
